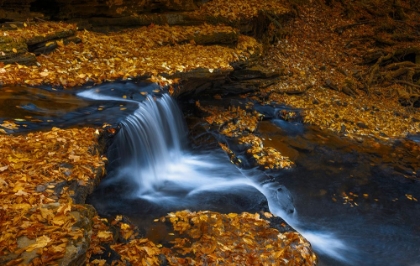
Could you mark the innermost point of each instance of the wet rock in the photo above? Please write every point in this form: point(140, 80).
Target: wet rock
point(24, 50)
point(24, 242)
point(254, 72)
point(15, 51)
point(343, 129)
point(404, 169)
point(80, 191)
point(76, 250)
point(361, 125)
point(40, 188)
point(248, 77)
point(300, 144)
point(279, 224)
point(330, 85)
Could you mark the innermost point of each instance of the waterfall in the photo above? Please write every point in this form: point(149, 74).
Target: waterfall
point(149, 151)
point(150, 145)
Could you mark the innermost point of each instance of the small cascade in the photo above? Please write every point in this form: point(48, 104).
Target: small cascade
point(149, 153)
point(148, 144)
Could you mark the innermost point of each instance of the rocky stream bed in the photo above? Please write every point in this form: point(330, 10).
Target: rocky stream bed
point(239, 76)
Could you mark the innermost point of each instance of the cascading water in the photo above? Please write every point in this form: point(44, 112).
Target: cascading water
point(357, 206)
point(149, 152)
point(150, 146)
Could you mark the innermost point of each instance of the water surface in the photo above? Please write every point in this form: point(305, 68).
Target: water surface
point(355, 204)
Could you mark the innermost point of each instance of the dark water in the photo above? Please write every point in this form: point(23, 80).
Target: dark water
point(356, 205)
point(45, 107)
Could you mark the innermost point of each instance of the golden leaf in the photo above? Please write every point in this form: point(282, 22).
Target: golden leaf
point(59, 220)
point(64, 208)
point(125, 226)
point(40, 243)
point(58, 249)
point(105, 235)
point(46, 213)
point(98, 262)
point(60, 43)
point(49, 43)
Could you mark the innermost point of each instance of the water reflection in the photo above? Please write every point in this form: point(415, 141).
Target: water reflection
point(29, 108)
point(20, 102)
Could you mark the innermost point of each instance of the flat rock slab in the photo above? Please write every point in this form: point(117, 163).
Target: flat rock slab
point(21, 42)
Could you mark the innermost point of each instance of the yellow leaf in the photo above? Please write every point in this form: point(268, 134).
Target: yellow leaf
point(232, 215)
point(46, 213)
point(14, 50)
point(64, 208)
point(57, 249)
point(98, 262)
point(22, 206)
point(59, 220)
point(40, 243)
point(18, 186)
point(60, 43)
point(105, 235)
point(125, 226)
point(75, 158)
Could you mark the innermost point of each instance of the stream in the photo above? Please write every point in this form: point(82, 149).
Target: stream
point(357, 206)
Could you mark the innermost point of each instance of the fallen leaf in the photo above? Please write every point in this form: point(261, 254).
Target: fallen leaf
point(40, 243)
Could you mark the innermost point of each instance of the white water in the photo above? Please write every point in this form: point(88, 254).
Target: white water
point(149, 150)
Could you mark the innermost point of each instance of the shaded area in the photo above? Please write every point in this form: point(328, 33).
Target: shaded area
point(27, 108)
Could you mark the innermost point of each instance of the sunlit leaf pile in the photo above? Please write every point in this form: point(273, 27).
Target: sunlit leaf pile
point(36, 211)
point(122, 238)
point(31, 30)
point(132, 53)
point(210, 238)
point(268, 157)
point(236, 122)
point(201, 238)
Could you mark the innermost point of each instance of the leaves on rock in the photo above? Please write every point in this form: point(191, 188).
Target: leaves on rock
point(30, 204)
point(211, 238)
point(146, 51)
point(236, 122)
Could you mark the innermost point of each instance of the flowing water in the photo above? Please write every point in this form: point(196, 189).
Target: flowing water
point(354, 207)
